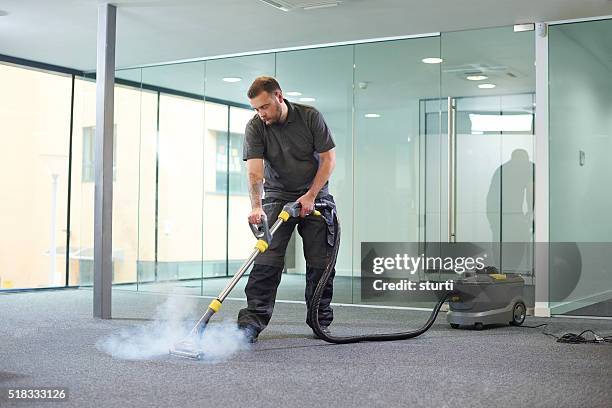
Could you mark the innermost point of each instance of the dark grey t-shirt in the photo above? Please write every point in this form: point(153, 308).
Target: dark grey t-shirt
point(290, 150)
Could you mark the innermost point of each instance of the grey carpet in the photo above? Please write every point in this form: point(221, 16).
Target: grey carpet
point(48, 339)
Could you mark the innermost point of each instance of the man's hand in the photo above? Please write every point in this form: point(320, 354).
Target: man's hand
point(255, 215)
point(307, 202)
point(327, 162)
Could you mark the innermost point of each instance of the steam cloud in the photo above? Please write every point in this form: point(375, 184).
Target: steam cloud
point(220, 340)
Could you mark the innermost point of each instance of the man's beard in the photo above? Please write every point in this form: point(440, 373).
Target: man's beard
point(277, 117)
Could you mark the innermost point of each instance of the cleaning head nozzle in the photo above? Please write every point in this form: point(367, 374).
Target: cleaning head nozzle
point(187, 349)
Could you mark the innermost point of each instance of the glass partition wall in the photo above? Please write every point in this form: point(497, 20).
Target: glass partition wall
point(35, 110)
point(580, 118)
point(181, 196)
point(402, 160)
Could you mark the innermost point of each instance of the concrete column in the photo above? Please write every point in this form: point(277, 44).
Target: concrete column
point(103, 214)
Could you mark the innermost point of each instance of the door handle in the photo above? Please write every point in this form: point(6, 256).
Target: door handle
point(452, 170)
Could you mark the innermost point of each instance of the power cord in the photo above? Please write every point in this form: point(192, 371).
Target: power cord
point(573, 338)
point(534, 327)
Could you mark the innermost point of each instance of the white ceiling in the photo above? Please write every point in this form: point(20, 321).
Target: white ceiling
point(63, 32)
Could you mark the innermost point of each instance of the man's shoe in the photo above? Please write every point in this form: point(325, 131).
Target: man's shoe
point(250, 333)
point(325, 330)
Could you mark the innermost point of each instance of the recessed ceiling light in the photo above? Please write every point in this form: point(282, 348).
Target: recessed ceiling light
point(321, 5)
point(232, 79)
point(432, 60)
point(3, 13)
point(486, 86)
point(501, 123)
point(372, 115)
point(476, 77)
point(275, 5)
point(294, 93)
point(307, 99)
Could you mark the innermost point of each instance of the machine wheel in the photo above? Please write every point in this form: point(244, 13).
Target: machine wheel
point(478, 326)
point(518, 314)
point(454, 325)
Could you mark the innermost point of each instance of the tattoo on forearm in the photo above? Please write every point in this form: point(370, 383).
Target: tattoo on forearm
point(255, 192)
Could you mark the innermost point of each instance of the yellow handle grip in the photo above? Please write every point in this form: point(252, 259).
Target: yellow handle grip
point(261, 245)
point(215, 305)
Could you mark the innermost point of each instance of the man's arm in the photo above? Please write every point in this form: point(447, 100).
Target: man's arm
point(255, 170)
point(327, 163)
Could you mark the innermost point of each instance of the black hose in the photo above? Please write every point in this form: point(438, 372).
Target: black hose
point(316, 301)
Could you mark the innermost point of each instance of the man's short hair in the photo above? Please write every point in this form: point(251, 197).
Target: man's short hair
point(263, 83)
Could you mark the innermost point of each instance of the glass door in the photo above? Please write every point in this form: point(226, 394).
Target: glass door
point(477, 161)
point(392, 81)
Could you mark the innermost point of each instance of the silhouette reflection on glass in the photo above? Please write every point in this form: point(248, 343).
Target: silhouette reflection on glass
point(510, 212)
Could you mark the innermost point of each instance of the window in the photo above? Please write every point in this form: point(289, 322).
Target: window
point(89, 134)
point(34, 135)
point(237, 169)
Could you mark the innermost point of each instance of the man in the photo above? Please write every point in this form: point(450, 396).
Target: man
point(289, 153)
